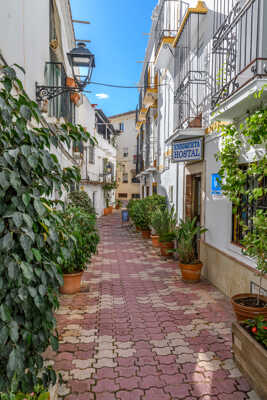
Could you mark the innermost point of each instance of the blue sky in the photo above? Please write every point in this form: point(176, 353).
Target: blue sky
point(116, 32)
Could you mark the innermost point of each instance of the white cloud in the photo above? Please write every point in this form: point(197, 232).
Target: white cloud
point(102, 96)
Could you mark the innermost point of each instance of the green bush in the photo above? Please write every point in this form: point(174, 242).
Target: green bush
point(141, 211)
point(80, 226)
point(82, 200)
point(30, 254)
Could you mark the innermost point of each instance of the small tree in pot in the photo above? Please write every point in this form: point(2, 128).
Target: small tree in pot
point(164, 222)
point(186, 236)
point(245, 188)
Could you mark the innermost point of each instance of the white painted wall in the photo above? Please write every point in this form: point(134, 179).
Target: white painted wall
point(86, 117)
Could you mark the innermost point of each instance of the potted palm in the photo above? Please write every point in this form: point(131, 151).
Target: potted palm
point(156, 225)
point(186, 237)
point(167, 220)
point(84, 238)
point(118, 204)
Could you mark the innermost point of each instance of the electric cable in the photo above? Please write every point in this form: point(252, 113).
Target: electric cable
point(122, 86)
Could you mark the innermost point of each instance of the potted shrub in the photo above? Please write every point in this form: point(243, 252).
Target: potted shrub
point(187, 234)
point(82, 228)
point(244, 186)
point(250, 352)
point(38, 393)
point(118, 204)
point(140, 217)
point(166, 230)
point(81, 199)
point(107, 188)
point(156, 225)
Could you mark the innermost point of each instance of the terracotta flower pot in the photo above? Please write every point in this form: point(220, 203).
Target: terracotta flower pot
point(191, 272)
point(138, 229)
point(155, 241)
point(243, 312)
point(72, 283)
point(146, 234)
point(164, 247)
point(110, 209)
point(106, 211)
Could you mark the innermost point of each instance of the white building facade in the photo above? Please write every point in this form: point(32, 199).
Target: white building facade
point(204, 61)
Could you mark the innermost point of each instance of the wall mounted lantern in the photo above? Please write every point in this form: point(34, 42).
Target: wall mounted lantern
point(82, 63)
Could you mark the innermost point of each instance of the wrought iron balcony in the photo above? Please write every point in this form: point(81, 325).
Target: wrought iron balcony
point(151, 87)
point(239, 48)
point(170, 15)
point(190, 98)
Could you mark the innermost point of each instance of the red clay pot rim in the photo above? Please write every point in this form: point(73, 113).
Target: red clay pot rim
point(75, 274)
point(198, 263)
point(245, 295)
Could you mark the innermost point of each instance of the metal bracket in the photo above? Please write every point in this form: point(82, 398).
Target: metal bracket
point(49, 92)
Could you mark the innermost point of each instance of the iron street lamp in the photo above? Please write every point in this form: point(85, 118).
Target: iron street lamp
point(81, 59)
point(82, 63)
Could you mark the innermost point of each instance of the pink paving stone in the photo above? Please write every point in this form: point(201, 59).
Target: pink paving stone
point(179, 392)
point(105, 396)
point(173, 379)
point(67, 347)
point(151, 381)
point(166, 359)
point(232, 396)
point(133, 395)
point(83, 355)
point(156, 394)
point(142, 361)
point(105, 372)
point(105, 385)
point(225, 386)
point(85, 396)
point(201, 388)
point(243, 385)
point(80, 386)
point(128, 383)
point(64, 356)
point(126, 361)
point(169, 369)
point(126, 371)
point(148, 370)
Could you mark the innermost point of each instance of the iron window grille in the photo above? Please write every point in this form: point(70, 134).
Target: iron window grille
point(191, 74)
point(247, 210)
point(91, 150)
point(239, 49)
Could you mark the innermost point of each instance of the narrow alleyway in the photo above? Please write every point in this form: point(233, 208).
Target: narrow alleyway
point(136, 331)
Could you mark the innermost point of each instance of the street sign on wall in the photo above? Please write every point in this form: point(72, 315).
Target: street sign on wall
point(187, 150)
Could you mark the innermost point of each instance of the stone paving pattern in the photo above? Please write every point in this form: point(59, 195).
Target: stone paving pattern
point(138, 332)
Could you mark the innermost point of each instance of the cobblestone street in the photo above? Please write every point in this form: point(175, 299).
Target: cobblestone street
point(136, 331)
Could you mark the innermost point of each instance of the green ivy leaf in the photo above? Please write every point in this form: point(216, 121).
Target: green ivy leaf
point(37, 254)
point(18, 219)
point(6, 243)
point(3, 335)
point(5, 313)
point(25, 111)
point(26, 242)
point(14, 331)
point(26, 198)
point(39, 207)
point(3, 181)
point(27, 271)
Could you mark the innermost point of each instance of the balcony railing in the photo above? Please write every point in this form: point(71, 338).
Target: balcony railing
point(191, 72)
point(239, 49)
point(170, 15)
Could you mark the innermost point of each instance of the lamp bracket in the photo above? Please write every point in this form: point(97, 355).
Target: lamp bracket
point(50, 92)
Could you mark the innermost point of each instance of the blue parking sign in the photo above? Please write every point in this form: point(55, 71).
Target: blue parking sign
point(216, 184)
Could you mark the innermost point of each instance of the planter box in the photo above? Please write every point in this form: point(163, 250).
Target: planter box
point(251, 359)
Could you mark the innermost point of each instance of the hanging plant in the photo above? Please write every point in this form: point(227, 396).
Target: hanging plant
point(30, 255)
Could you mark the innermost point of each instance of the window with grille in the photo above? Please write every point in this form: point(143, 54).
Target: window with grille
point(121, 126)
point(136, 196)
point(247, 210)
point(91, 154)
point(125, 178)
point(123, 195)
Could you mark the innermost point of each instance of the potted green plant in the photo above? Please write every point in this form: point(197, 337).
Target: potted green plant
point(38, 393)
point(187, 234)
point(118, 204)
point(79, 198)
point(244, 186)
point(107, 188)
point(166, 230)
point(81, 228)
point(156, 221)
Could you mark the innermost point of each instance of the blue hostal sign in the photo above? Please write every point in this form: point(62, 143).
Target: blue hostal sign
point(187, 150)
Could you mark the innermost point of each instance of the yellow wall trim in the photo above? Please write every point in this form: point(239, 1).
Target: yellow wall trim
point(215, 126)
point(168, 40)
point(199, 9)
